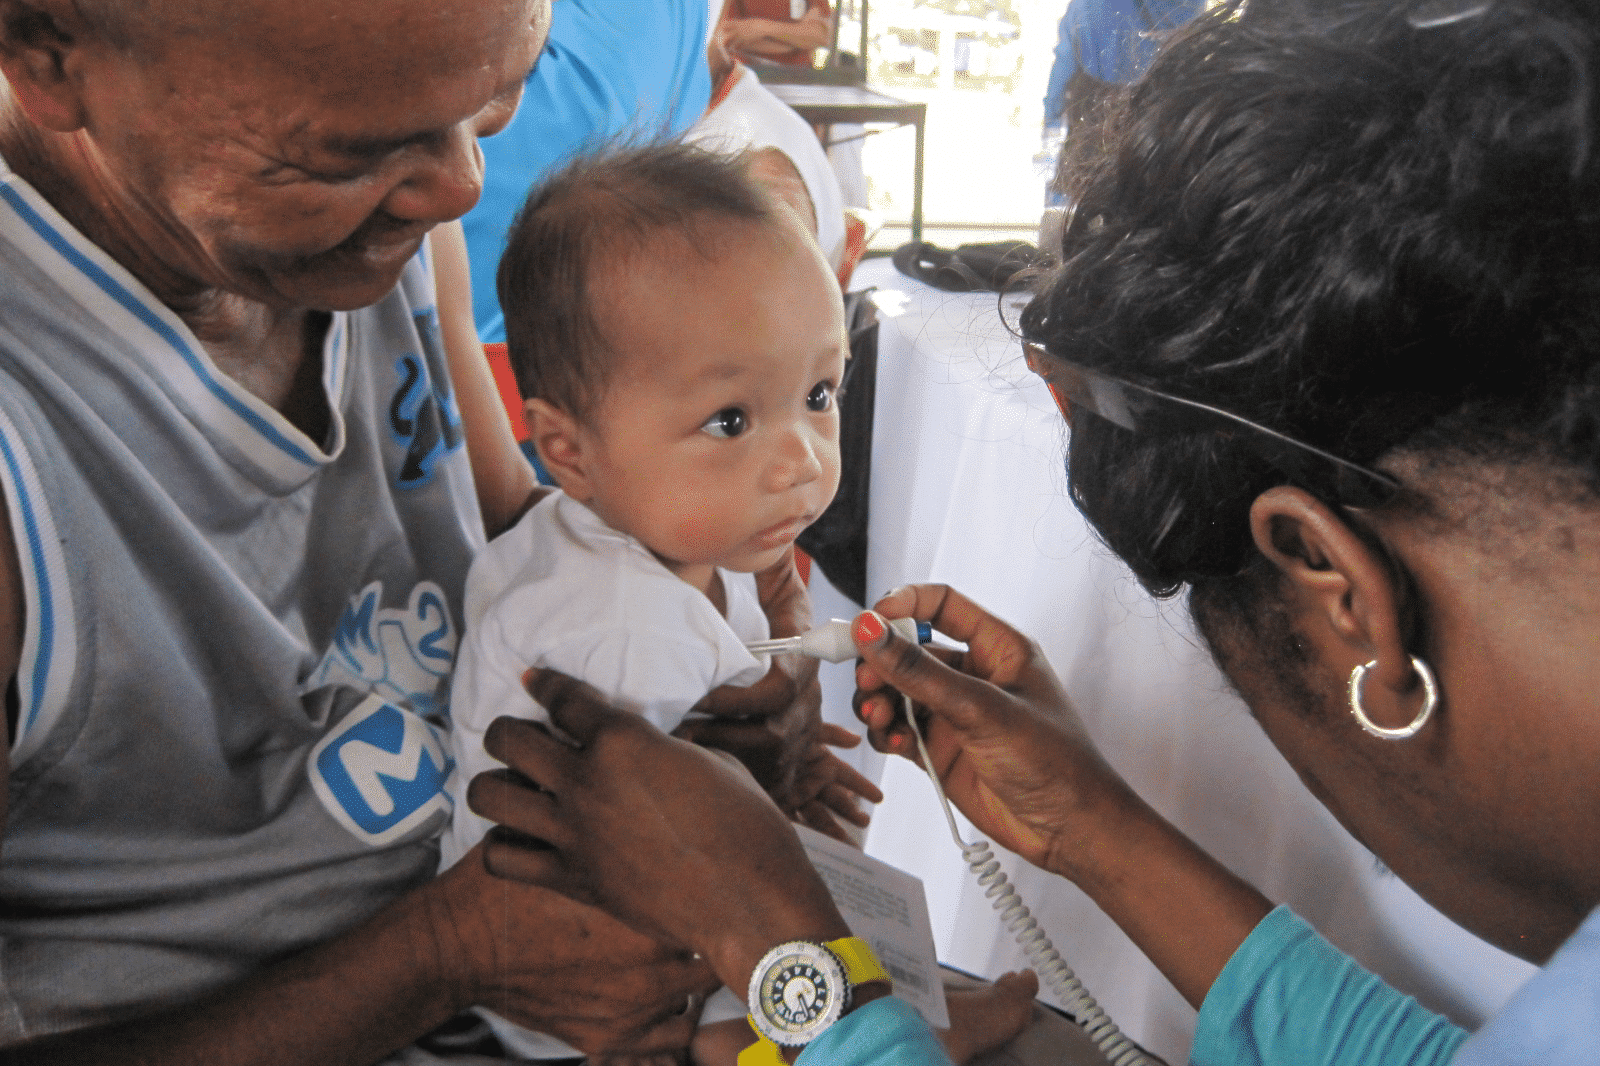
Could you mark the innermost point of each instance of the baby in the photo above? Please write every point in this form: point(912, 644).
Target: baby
point(679, 341)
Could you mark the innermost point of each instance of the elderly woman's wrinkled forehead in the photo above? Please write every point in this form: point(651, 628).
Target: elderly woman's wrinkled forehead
point(150, 26)
point(407, 32)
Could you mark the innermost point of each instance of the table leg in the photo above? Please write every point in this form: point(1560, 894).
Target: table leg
point(916, 191)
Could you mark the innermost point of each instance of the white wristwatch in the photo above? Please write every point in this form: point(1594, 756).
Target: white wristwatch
point(800, 988)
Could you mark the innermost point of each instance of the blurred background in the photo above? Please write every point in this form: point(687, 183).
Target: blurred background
point(981, 66)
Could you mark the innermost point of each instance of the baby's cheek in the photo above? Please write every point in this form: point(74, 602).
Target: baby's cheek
point(829, 482)
point(702, 532)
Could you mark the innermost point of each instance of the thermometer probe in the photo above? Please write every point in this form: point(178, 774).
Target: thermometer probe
point(832, 641)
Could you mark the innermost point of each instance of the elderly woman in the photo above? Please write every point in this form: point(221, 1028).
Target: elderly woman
point(1327, 332)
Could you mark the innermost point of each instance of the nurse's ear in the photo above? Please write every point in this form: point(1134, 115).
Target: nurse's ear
point(1343, 597)
point(562, 446)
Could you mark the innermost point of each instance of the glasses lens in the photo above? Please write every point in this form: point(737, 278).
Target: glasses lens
point(1088, 391)
point(1130, 406)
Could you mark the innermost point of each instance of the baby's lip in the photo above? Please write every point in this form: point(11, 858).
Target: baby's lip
point(783, 532)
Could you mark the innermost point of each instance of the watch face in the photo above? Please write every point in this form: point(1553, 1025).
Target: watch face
point(799, 991)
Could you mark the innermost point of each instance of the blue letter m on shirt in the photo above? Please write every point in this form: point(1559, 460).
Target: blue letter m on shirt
point(382, 774)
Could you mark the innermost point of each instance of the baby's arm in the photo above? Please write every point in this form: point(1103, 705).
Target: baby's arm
point(775, 727)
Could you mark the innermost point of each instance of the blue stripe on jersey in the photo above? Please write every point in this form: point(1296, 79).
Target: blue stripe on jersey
point(46, 620)
point(132, 303)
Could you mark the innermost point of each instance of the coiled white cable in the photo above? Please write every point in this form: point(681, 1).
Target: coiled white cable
point(1019, 921)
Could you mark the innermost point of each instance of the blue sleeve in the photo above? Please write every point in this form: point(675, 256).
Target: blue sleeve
point(1055, 94)
point(1554, 1019)
point(1111, 40)
point(1289, 998)
point(885, 1032)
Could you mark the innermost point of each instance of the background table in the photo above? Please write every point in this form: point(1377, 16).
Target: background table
point(968, 488)
point(825, 105)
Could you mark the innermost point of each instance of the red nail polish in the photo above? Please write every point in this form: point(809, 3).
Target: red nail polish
point(869, 628)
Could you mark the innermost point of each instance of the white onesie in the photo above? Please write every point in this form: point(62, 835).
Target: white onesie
point(563, 590)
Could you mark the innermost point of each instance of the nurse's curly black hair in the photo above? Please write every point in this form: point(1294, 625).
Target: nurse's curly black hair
point(1373, 226)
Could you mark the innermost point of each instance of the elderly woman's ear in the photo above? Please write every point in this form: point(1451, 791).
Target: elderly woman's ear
point(39, 49)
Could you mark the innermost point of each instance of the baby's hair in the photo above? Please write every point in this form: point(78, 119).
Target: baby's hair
point(593, 216)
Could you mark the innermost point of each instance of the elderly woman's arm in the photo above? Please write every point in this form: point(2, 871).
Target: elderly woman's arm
point(669, 837)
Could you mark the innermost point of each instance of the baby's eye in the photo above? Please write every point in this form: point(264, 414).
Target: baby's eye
point(728, 422)
point(821, 396)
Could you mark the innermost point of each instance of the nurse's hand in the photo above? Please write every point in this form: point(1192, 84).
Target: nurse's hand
point(1008, 746)
point(675, 840)
point(1014, 756)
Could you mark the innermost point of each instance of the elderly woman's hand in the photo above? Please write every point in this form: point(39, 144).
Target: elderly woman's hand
point(561, 967)
point(1007, 744)
point(673, 839)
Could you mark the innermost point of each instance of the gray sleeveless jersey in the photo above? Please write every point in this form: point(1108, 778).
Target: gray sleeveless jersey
point(236, 636)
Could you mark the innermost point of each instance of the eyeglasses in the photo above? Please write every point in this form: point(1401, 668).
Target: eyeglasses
point(1134, 407)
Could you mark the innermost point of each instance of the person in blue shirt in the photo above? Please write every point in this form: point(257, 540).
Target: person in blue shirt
point(1326, 330)
point(612, 71)
point(1100, 45)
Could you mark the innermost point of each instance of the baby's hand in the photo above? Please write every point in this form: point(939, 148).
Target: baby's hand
point(827, 788)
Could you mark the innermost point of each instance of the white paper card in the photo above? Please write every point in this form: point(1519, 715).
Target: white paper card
point(886, 908)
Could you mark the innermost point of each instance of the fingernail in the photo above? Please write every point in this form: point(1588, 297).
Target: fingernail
point(870, 629)
point(897, 590)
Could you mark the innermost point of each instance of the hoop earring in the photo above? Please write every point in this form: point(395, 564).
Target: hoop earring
point(1430, 700)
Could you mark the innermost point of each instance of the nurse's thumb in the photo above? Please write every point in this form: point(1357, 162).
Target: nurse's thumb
point(906, 666)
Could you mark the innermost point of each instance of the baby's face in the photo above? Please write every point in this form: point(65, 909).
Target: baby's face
point(717, 440)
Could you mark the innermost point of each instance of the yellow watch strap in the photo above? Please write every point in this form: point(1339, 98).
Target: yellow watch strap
point(860, 964)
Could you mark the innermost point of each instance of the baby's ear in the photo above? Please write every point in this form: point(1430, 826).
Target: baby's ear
point(556, 436)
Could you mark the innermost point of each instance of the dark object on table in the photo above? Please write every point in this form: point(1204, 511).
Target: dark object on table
point(991, 266)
